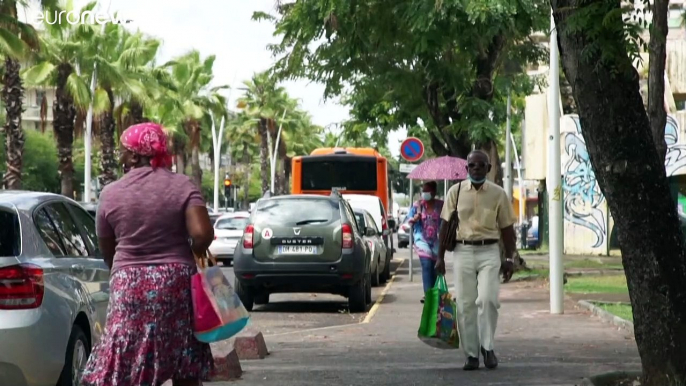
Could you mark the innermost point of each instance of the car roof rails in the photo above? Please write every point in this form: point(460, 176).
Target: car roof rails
point(335, 193)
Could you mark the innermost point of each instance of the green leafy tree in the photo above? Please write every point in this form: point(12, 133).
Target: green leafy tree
point(40, 162)
point(599, 43)
point(447, 63)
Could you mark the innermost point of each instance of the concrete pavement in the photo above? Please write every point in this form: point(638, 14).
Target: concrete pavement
point(534, 347)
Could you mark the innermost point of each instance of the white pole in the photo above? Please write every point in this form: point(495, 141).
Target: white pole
point(508, 151)
point(411, 233)
point(272, 157)
point(522, 190)
point(216, 146)
point(554, 178)
point(87, 145)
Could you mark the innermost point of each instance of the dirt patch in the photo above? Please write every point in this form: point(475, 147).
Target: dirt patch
point(602, 297)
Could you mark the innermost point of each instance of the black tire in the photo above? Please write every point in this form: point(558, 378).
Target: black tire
point(386, 274)
point(368, 291)
point(77, 341)
point(357, 299)
point(376, 280)
point(245, 294)
point(262, 299)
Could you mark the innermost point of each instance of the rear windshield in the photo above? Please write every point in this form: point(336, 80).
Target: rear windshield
point(235, 223)
point(346, 173)
point(10, 239)
point(296, 211)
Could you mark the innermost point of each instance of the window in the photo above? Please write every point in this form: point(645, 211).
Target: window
point(234, 223)
point(67, 229)
point(351, 173)
point(372, 223)
point(48, 233)
point(88, 223)
point(10, 234)
point(296, 211)
point(40, 94)
point(359, 217)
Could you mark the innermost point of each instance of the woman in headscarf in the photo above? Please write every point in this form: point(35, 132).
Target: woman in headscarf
point(425, 218)
point(148, 224)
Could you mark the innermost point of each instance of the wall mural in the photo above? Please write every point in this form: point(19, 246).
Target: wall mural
point(584, 203)
point(583, 200)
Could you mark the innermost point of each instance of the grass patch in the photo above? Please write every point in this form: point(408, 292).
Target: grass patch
point(539, 251)
point(615, 284)
point(593, 264)
point(531, 273)
point(621, 310)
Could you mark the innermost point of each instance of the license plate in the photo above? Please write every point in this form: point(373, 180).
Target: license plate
point(297, 249)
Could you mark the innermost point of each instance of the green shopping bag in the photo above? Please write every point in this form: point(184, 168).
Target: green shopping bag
point(438, 327)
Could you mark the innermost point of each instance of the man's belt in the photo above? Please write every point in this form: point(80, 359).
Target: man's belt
point(477, 242)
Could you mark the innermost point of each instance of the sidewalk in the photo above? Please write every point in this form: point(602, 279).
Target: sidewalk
point(534, 347)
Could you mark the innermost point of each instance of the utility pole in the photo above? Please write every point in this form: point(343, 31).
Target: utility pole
point(217, 148)
point(554, 178)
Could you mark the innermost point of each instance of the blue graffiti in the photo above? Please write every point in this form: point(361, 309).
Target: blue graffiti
point(583, 198)
point(675, 160)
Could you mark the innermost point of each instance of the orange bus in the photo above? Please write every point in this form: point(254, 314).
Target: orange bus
point(352, 170)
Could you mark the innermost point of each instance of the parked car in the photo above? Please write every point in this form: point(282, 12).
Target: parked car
point(228, 230)
point(374, 206)
point(54, 289)
point(90, 207)
point(303, 243)
point(381, 261)
point(532, 240)
point(404, 233)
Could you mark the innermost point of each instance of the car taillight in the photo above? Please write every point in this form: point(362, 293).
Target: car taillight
point(384, 223)
point(248, 237)
point(21, 287)
point(347, 238)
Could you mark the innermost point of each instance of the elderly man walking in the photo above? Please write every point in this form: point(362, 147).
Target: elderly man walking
point(485, 215)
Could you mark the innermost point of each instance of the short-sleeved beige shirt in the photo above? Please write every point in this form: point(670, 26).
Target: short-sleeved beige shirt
point(482, 213)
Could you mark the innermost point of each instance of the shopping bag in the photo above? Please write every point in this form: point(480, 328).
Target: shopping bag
point(438, 327)
point(218, 313)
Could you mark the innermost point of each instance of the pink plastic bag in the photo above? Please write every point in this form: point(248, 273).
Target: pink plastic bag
point(218, 313)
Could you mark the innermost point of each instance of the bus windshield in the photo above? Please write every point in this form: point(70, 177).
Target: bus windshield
point(342, 172)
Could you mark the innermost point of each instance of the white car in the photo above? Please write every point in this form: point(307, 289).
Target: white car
point(374, 206)
point(228, 230)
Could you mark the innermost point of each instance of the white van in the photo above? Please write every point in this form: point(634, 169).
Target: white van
point(374, 206)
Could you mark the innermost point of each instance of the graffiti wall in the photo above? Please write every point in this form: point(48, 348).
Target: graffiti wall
point(588, 225)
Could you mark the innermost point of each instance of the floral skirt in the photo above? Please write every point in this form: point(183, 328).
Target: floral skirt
point(148, 338)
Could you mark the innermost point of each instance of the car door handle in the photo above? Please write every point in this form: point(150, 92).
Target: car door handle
point(78, 268)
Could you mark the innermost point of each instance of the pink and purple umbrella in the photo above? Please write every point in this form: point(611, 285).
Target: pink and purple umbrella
point(441, 168)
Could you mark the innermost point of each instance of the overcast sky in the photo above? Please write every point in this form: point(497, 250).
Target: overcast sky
point(223, 28)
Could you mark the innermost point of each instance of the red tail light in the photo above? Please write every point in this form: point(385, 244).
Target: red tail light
point(248, 237)
point(347, 231)
point(384, 223)
point(21, 287)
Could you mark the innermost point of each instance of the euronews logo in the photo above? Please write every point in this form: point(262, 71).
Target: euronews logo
point(80, 17)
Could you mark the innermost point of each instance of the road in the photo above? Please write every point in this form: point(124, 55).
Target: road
point(288, 313)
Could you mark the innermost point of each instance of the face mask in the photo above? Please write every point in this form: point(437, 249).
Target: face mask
point(427, 196)
point(474, 181)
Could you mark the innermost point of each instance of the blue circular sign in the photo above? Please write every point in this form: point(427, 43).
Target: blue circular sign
point(412, 149)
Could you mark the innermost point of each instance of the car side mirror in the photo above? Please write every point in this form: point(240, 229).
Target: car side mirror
point(386, 232)
point(370, 232)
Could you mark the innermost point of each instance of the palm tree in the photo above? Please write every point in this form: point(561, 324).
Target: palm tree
point(57, 66)
point(264, 102)
point(191, 78)
point(17, 39)
point(119, 56)
point(243, 140)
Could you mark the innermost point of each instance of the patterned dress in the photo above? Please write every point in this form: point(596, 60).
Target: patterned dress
point(425, 231)
point(149, 338)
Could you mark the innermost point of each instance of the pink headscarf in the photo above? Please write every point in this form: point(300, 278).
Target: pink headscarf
point(148, 140)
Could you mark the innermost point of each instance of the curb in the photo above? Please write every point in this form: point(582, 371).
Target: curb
point(606, 316)
point(610, 378)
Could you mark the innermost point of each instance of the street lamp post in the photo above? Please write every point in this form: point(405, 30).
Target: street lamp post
point(554, 178)
point(217, 148)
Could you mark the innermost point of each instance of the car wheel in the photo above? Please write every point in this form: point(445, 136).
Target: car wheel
point(375, 275)
point(368, 290)
point(78, 351)
point(386, 275)
point(262, 299)
point(357, 299)
point(245, 294)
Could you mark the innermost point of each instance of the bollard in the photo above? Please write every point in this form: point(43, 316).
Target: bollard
point(251, 346)
point(226, 368)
